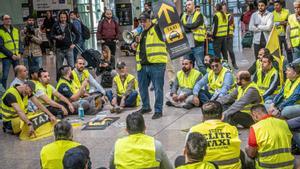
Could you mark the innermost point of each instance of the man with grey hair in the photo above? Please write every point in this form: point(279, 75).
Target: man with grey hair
point(52, 154)
point(21, 75)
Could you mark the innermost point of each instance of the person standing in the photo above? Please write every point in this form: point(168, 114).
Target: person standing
point(77, 24)
point(220, 32)
point(280, 21)
point(32, 38)
point(261, 23)
point(48, 24)
point(151, 59)
point(65, 42)
point(230, 35)
point(108, 32)
point(193, 24)
point(10, 47)
point(293, 31)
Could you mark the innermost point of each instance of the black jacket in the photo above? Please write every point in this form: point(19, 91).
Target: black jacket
point(70, 33)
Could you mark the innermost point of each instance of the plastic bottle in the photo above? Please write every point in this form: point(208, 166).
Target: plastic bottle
point(80, 110)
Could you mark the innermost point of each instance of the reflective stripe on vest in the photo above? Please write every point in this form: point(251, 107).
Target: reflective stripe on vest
point(121, 89)
point(280, 17)
point(242, 92)
point(198, 33)
point(264, 84)
point(69, 84)
point(295, 30)
point(78, 81)
point(156, 50)
point(135, 151)
point(290, 87)
point(10, 43)
point(216, 83)
point(272, 155)
point(9, 112)
point(48, 90)
point(232, 26)
point(222, 29)
point(223, 143)
point(188, 82)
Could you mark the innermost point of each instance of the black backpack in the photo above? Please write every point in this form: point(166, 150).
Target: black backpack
point(85, 31)
point(107, 79)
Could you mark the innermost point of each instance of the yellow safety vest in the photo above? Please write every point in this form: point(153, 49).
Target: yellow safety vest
point(189, 81)
point(198, 33)
point(232, 26)
point(10, 43)
point(52, 154)
point(289, 88)
point(156, 50)
point(69, 84)
point(273, 138)
point(216, 81)
point(222, 29)
point(121, 88)
point(198, 165)
point(135, 151)
point(78, 81)
point(258, 65)
point(223, 143)
point(241, 93)
point(48, 90)
point(280, 17)
point(264, 84)
point(295, 30)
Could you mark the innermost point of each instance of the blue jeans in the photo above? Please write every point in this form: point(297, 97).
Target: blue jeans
point(155, 74)
point(33, 61)
point(198, 56)
point(130, 101)
point(290, 112)
point(75, 51)
point(294, 125)
point(204, 96)
point(61, 54)
point(296, 54)
point(5, 68)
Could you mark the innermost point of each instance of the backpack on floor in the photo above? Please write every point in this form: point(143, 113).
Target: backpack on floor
point(247, 40)
point(106, 79)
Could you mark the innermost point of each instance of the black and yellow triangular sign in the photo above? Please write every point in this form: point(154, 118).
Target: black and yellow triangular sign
point(273, 43)
point(164, 10)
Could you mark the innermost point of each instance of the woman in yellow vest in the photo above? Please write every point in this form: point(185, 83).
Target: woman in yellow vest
point(52, 154)
point(223, 143)
point(124, 91)
point(269, 141)
point(220, 32)
point(194, 152)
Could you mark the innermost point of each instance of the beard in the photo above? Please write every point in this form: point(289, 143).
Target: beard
point(71, 77)
point(239, 84)
point(207, 65)
point(185, 69)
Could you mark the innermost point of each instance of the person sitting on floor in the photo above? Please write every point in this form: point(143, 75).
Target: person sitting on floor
point(124, 92)
point(21, 75)
point(182, 89)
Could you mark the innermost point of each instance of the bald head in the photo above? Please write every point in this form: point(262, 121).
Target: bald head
point(243, 78)
point(6, 20)
point(297, 2)
point(21, 72)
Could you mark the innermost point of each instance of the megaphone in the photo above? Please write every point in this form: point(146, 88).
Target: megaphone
point(129, 36)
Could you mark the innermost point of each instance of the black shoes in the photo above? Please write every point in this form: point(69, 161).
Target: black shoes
point(235, 66)
point(169, 103)
point(156, 116)
point(188, 106)
point(144, 111)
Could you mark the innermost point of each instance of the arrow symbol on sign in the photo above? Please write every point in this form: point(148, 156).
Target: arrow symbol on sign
point(164, 8)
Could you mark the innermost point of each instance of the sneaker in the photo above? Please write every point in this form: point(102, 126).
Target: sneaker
point(235, 67)
point(143, 111)
point(188, 106)
point(156, 116)
point(169, 103)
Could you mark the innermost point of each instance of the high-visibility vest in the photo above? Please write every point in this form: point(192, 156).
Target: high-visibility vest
point(69, 84)
point(273, 138)
point(9, 113)
point(289, 88)
point(280, 17)
point(135, 151)
point(232, 26)
point(189, 81)
point(258, 65)
point(222, 29)
point(48, 90)
point(198, 33)
point(121, 88)
point(10, 43)
point(295, 30)
point(156, 50)
point(264, 84)
point(215, 83)
point(223, 143)
point(198, 165)
point(52, 154)
point(78, 81)
point(242, 92)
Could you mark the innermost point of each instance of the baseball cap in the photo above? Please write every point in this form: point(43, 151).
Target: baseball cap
point(144, 16)
point(30, 84)
point(121, 65)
